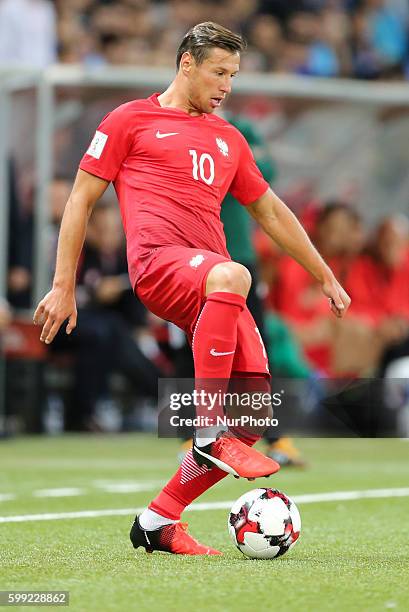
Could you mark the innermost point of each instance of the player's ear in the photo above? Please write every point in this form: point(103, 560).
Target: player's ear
point(186, 62)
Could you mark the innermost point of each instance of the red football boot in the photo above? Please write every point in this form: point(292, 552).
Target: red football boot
point(171, 538)
point(233, 456)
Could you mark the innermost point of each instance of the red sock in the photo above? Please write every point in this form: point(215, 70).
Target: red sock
point(191, 480)
point(187, 484)
point(214, 344)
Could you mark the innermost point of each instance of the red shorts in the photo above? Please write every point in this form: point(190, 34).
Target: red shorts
point(173, 287)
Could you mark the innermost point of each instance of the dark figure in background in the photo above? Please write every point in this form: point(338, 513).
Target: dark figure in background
point(20, 246)
point(108, 317)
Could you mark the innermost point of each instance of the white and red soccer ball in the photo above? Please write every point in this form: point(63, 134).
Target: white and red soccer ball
point(264, 523)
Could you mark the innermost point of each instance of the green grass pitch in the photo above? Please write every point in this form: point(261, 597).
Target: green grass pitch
point(352, 555)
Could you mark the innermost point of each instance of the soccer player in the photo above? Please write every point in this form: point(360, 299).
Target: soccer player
point(172, 161)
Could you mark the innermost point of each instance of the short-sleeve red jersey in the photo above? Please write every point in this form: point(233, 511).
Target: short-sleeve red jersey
point(171, 172)
point(378, 292)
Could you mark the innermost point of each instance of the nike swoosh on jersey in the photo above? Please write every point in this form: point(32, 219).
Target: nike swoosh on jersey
point(216, 354)
point(159, 135)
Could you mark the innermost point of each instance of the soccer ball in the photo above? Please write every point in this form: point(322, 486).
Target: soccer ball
point(264, 523)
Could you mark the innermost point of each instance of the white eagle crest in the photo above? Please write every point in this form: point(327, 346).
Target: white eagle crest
point(223, 146)
point(196, 261)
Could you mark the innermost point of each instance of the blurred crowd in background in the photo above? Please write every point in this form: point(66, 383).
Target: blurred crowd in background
point(359, 38)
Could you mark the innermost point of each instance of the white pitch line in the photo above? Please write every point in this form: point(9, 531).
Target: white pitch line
point(6, 497)
point(310, 498)
point(106, 486)
point(62, 492)
point(127, 486)
point(350, 495)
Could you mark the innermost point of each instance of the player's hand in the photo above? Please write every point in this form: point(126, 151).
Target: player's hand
point(57, 306)
point(338, 298)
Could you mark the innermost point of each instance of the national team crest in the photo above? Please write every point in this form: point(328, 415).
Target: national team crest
point(223, 146)
point(196, 261)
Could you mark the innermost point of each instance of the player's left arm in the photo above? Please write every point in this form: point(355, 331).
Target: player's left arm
point(280, 223)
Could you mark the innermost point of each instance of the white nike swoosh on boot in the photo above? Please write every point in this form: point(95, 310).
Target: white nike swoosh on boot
point(216, 354)
point(159, 135)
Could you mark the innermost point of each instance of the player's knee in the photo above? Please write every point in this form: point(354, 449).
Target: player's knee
point(229, 276)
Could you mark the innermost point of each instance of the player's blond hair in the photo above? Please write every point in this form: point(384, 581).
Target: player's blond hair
point(205, 36)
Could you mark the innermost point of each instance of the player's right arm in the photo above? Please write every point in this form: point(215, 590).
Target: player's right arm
point(59, 304)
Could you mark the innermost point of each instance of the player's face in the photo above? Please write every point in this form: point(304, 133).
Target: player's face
point(211, 81)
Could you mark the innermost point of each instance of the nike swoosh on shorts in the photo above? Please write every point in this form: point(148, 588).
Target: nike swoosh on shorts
point(216, 354)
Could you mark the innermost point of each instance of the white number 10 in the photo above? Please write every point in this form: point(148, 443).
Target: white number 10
point(199, 168)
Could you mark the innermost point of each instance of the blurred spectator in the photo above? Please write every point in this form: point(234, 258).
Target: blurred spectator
point(378, 285)
point(265, 38)
point(77, 41)
point(5, 314)
point(109, 317)
point(59, 192)
point(20, 247)
point(380, 38)
point(306, 33)
point(365, 38)
point(378, 281)
point(297, 296)
point(27, 33)
point(5, 320)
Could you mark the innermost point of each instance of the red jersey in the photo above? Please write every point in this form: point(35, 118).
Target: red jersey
point(171, 171)
point(378, 292)
point(299, 299)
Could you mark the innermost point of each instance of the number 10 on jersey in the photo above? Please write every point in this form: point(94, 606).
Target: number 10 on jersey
point(199, 168)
